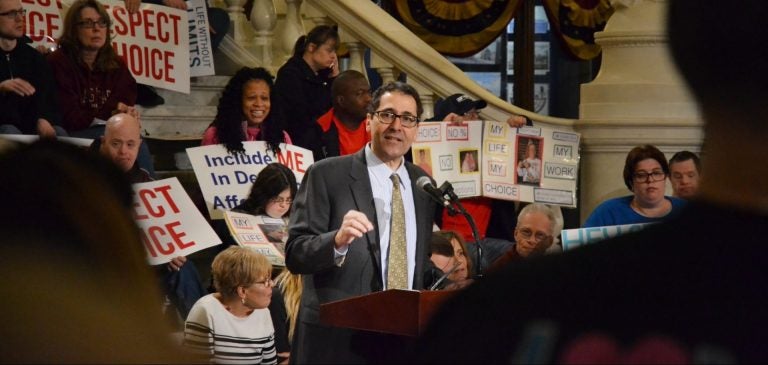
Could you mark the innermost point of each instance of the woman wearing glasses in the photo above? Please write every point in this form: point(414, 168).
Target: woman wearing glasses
point(92, 81)
point(246, 113)
point(233, 324)
point(645, 172)
point(272, 194)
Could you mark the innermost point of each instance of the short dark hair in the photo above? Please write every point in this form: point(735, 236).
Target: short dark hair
point(638, 154)
point(342, 81)
point(683, 156)
point(396, 86)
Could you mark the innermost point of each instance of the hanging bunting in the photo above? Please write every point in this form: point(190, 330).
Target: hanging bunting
point(576, 21)
point(458, 28)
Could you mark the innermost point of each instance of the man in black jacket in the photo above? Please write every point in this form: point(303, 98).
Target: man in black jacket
point(26, 82)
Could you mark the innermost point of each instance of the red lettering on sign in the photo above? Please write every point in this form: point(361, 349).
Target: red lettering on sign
point(293, 160)
point(148, 24)
point(164, 239)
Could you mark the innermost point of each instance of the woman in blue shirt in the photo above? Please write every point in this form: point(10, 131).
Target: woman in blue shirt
point(645, 172)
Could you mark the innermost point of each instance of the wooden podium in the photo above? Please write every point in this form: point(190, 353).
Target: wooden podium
point(395, 311)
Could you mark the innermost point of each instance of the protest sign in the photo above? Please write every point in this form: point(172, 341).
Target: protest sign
point(532, 164)
point(449, 152)
point(200, 47)
point(226, 179)
point(572, 238)
point(154, 42)
point(170, 223)
point(492, 159)
point(261, 233)
point(44, 22)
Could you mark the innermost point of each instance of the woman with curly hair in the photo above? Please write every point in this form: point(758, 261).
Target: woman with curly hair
point(246, 113)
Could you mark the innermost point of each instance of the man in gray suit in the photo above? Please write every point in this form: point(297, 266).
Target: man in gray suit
point(339, 235)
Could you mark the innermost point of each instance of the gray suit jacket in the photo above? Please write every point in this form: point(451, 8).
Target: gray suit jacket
point(330, 189)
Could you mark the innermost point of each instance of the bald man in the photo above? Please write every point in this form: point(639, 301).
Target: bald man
point(120, 143)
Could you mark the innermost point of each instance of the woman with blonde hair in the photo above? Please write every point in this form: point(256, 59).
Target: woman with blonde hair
point(233, 325)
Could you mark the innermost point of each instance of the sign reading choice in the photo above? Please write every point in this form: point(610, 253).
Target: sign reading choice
point(154, 43)
point(170, 224)
point(225, 179)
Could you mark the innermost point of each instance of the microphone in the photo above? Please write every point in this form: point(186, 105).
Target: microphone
point(442, 278)
point(446, 190)
point(425, 184)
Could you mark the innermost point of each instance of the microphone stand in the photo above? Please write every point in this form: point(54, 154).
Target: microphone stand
point(447, 189)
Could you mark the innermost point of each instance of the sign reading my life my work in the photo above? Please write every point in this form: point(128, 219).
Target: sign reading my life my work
point(171, 225)
point(226, 179)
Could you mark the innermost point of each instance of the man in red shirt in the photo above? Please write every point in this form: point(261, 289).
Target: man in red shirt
point(344, 124)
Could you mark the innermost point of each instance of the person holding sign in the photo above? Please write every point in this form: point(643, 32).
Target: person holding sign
point(645, 172)
point(27, 89)
point(359, 225)
point(271, 194)
point(304, 83)
point(233, 325)
point(246, 113)
point(120, 143)
point(93, 83)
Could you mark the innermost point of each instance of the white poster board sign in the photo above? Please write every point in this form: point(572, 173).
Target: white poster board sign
point(262, 234)
point(170, 223)
point(492, 159)
point(226, 180)
point(163, 27)
point(450, 152)
point(200, 47)
point(532, 164)
point(44, 22)
point(572, 238)
point(154, 42)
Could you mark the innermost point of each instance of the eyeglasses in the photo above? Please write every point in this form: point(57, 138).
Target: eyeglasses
point(406, 120)
point(269, 283)
point(642, 176)
point(90, 24)
point(15, 14)
point(280, 200)
point(538, 236)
